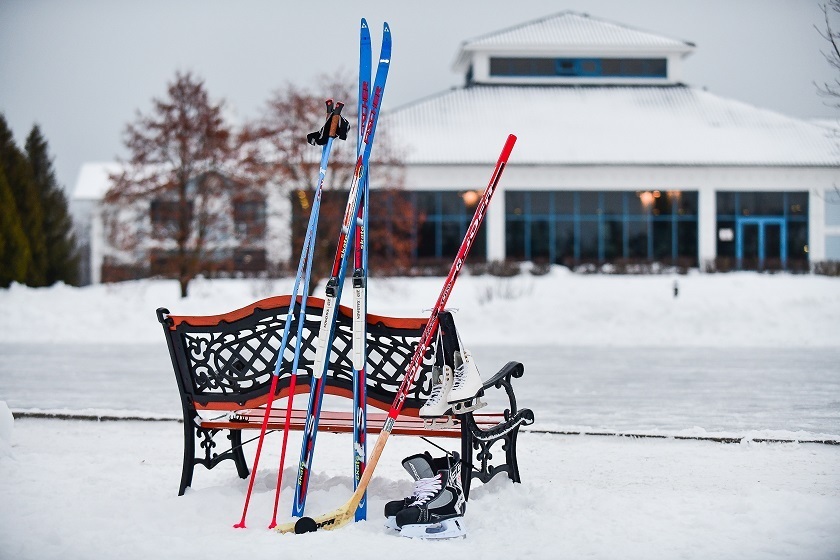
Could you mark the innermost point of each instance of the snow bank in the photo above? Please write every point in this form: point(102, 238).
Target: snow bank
point(558, 309)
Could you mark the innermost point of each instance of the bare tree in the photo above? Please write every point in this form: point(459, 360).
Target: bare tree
point(278, 153)
point(171, 206)
point(831, 89)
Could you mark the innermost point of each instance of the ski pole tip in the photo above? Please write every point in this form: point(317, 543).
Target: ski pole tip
point(240, 525)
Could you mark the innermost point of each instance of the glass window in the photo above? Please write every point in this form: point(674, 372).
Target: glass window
point(662, 240)
point(725, 203)
point(832, 208)
point(797, 240)
point(662, 204)
point(540, 239)
point(637, 242)
point(612, 237)
point(761, 203)
point(451, 204)
point(515, 239)
point(589, 203)
point(639, 203)
point(249, 218)
point(588, 239)
point(613, 203)
point(564, 241)
point(832, 247)
point(514, 203)
point(797, 204)
point(687, 240)
point(725, 238)
point(426, 202)
point(564, 203)
point(427, 240)
point(686, 202)
point(541, 203)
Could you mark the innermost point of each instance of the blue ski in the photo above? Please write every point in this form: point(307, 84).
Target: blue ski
point(360, 283)
point(336, 281)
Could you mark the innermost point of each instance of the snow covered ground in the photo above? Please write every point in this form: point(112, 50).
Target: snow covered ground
point(736, 355)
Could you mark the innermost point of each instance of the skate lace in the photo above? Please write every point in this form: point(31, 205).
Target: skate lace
point(424, 489)
point(435, 395)
point(460, 378)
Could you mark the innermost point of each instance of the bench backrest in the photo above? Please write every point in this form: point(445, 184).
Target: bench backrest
point(226, 361)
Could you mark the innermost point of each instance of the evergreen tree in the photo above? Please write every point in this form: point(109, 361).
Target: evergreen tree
point(14, 249)
point(62, 255)
point(27, 202)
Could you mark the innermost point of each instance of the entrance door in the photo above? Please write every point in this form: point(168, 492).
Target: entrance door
point(760, 243)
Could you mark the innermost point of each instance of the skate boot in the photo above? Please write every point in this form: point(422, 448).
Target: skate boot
point(437, 512)
point(467, 387)
point(420, 466)
point(437, 405)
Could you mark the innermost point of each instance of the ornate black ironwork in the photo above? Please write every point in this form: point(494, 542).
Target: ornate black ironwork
point(230, 359)
point(476, 443)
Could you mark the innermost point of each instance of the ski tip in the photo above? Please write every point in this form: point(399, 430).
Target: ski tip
point(305, 525)
point(386, 28)
point(364, 23)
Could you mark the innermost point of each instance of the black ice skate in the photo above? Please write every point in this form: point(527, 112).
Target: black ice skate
point(421, 466)
point(437, 512)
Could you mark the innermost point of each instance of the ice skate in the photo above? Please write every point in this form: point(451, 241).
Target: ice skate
point(421, 466)
point(437, 512)
point(467, 387)
point(437, 406)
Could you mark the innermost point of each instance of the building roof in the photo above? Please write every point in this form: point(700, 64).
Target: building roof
point(604, 125)
point(568, 32)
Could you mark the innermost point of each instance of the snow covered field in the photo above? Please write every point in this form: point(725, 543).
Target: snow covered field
point(735, 355)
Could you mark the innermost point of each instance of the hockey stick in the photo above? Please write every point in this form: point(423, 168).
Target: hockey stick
point(344, 514)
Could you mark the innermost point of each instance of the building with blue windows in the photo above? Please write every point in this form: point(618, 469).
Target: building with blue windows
point(618, 161)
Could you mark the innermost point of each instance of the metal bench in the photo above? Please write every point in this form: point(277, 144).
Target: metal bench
point(223, 366)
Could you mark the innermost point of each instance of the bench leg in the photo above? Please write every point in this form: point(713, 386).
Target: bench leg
point(477, 445)
point(238, 457)
point(192, 432)
point(188, 463)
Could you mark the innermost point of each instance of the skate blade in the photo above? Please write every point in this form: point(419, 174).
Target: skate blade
point(438, 422)
point(446, 529)
point(465, 407)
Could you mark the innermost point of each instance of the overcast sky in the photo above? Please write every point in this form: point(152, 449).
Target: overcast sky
point(81, 69)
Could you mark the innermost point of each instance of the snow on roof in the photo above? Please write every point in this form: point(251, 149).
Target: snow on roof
point(571, 31)
point(604, 125)
point(92, 181)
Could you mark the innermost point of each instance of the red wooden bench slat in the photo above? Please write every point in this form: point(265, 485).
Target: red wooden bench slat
point(342, 422)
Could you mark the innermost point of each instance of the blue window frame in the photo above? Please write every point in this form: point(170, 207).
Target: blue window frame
point(569, 227)
point(764, 229)
point(579, 67)
point(440, 222)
